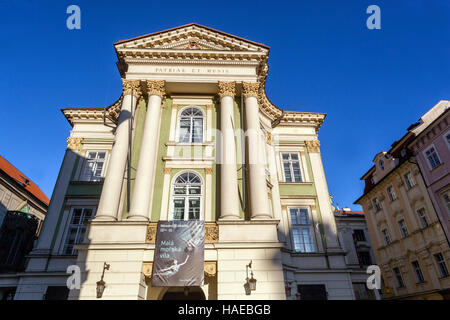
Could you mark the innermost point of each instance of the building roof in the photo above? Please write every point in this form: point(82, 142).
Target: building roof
point(189, 25)
point(346, 213)
point(23, 180)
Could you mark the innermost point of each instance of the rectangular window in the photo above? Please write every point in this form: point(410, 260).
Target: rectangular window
point(446, 198)
point(359, 235)
point(365, 258)
point(422, 217)
point(409, 180)
point(391, 193)
point(441, 265)
point(447, 138)
point(77, 228)
point(432, 157)
point(403, 229)
point(376, 204)
point(302, 230)
point(417, 272)
point(387, 239)
point(291, 167)
point(399, 278)
point(93, 166)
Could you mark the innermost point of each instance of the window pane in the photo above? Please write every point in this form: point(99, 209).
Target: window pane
point(198, 130)
point(293, 213)
point(194, 190)
point(194, 208)
point(178, 209)
point(76, 216)
point(287, 172)
point(304, 219)
point(185, 130)
point(296, 169)
point(180, 190)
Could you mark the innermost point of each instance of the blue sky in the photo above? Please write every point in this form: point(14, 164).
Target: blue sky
point(372, 83)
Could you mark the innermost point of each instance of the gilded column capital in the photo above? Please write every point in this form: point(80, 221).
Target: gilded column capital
point(74, 143)
point(156, 87)
point(313, 145)
point(250, 89)
point(132, 87)
point(227, 88)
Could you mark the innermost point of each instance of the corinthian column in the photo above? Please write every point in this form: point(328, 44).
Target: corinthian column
point(259, 202)
point(109, 200)
point(145, 174)
point(229, 196)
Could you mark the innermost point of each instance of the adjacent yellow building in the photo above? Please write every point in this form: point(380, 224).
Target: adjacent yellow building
point(409, 243)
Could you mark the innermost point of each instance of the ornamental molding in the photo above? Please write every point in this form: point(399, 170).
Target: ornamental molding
point(132, 87)
point(208, 170)
point(211, 232)
point(147, 269)
point(313, 145)
point(210, 268)
point(250, 89)
point(194, 44)
point(156, 87)
point(227, 88)
point(74, 143)
point(167, 170)
point(151, 232)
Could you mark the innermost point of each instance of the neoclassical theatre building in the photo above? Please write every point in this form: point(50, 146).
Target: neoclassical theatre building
point(192, 136)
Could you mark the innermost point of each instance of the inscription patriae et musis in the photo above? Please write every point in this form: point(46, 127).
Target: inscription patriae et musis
point(191, 70)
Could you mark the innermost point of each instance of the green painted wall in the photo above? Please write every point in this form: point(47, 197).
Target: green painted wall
point(162, 151)
point(139, 129)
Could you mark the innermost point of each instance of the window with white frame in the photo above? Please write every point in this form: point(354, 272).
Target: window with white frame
point(391, 193)
point(94, 165)
point(291, 167)
point(386, 237)
point(441, 265)
point(403, 229)
point(190, 127)
point(187, 197)
point(432, 157)
point(409, 180)
point(422, 217)
point(77, 228)
point(446, 198)
point(302, 230)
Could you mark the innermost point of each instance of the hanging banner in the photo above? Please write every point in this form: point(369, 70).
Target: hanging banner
point(179, 254)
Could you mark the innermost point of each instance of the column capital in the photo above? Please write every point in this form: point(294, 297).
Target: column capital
point(313, 145)
point(156, 87)
point(227, 88)
point(131, 86)
point(250, 89)
point(74, 143)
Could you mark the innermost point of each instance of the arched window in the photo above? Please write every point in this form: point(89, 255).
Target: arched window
point(187, 195)
point(191, 125)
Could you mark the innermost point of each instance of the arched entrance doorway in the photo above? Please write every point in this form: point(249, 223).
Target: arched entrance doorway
point(187, 293)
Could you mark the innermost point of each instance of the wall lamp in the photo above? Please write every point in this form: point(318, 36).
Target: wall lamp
point(101, 284)
point(250, 283)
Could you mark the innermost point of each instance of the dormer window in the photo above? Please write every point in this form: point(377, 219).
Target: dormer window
point(381, 164)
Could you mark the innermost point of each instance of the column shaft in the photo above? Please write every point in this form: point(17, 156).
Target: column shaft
point(109, 200)
point(259, 201)
point(229, 195)
point(145, 175)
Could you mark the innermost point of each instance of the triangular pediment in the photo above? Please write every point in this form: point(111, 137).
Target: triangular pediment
point(192, 37)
